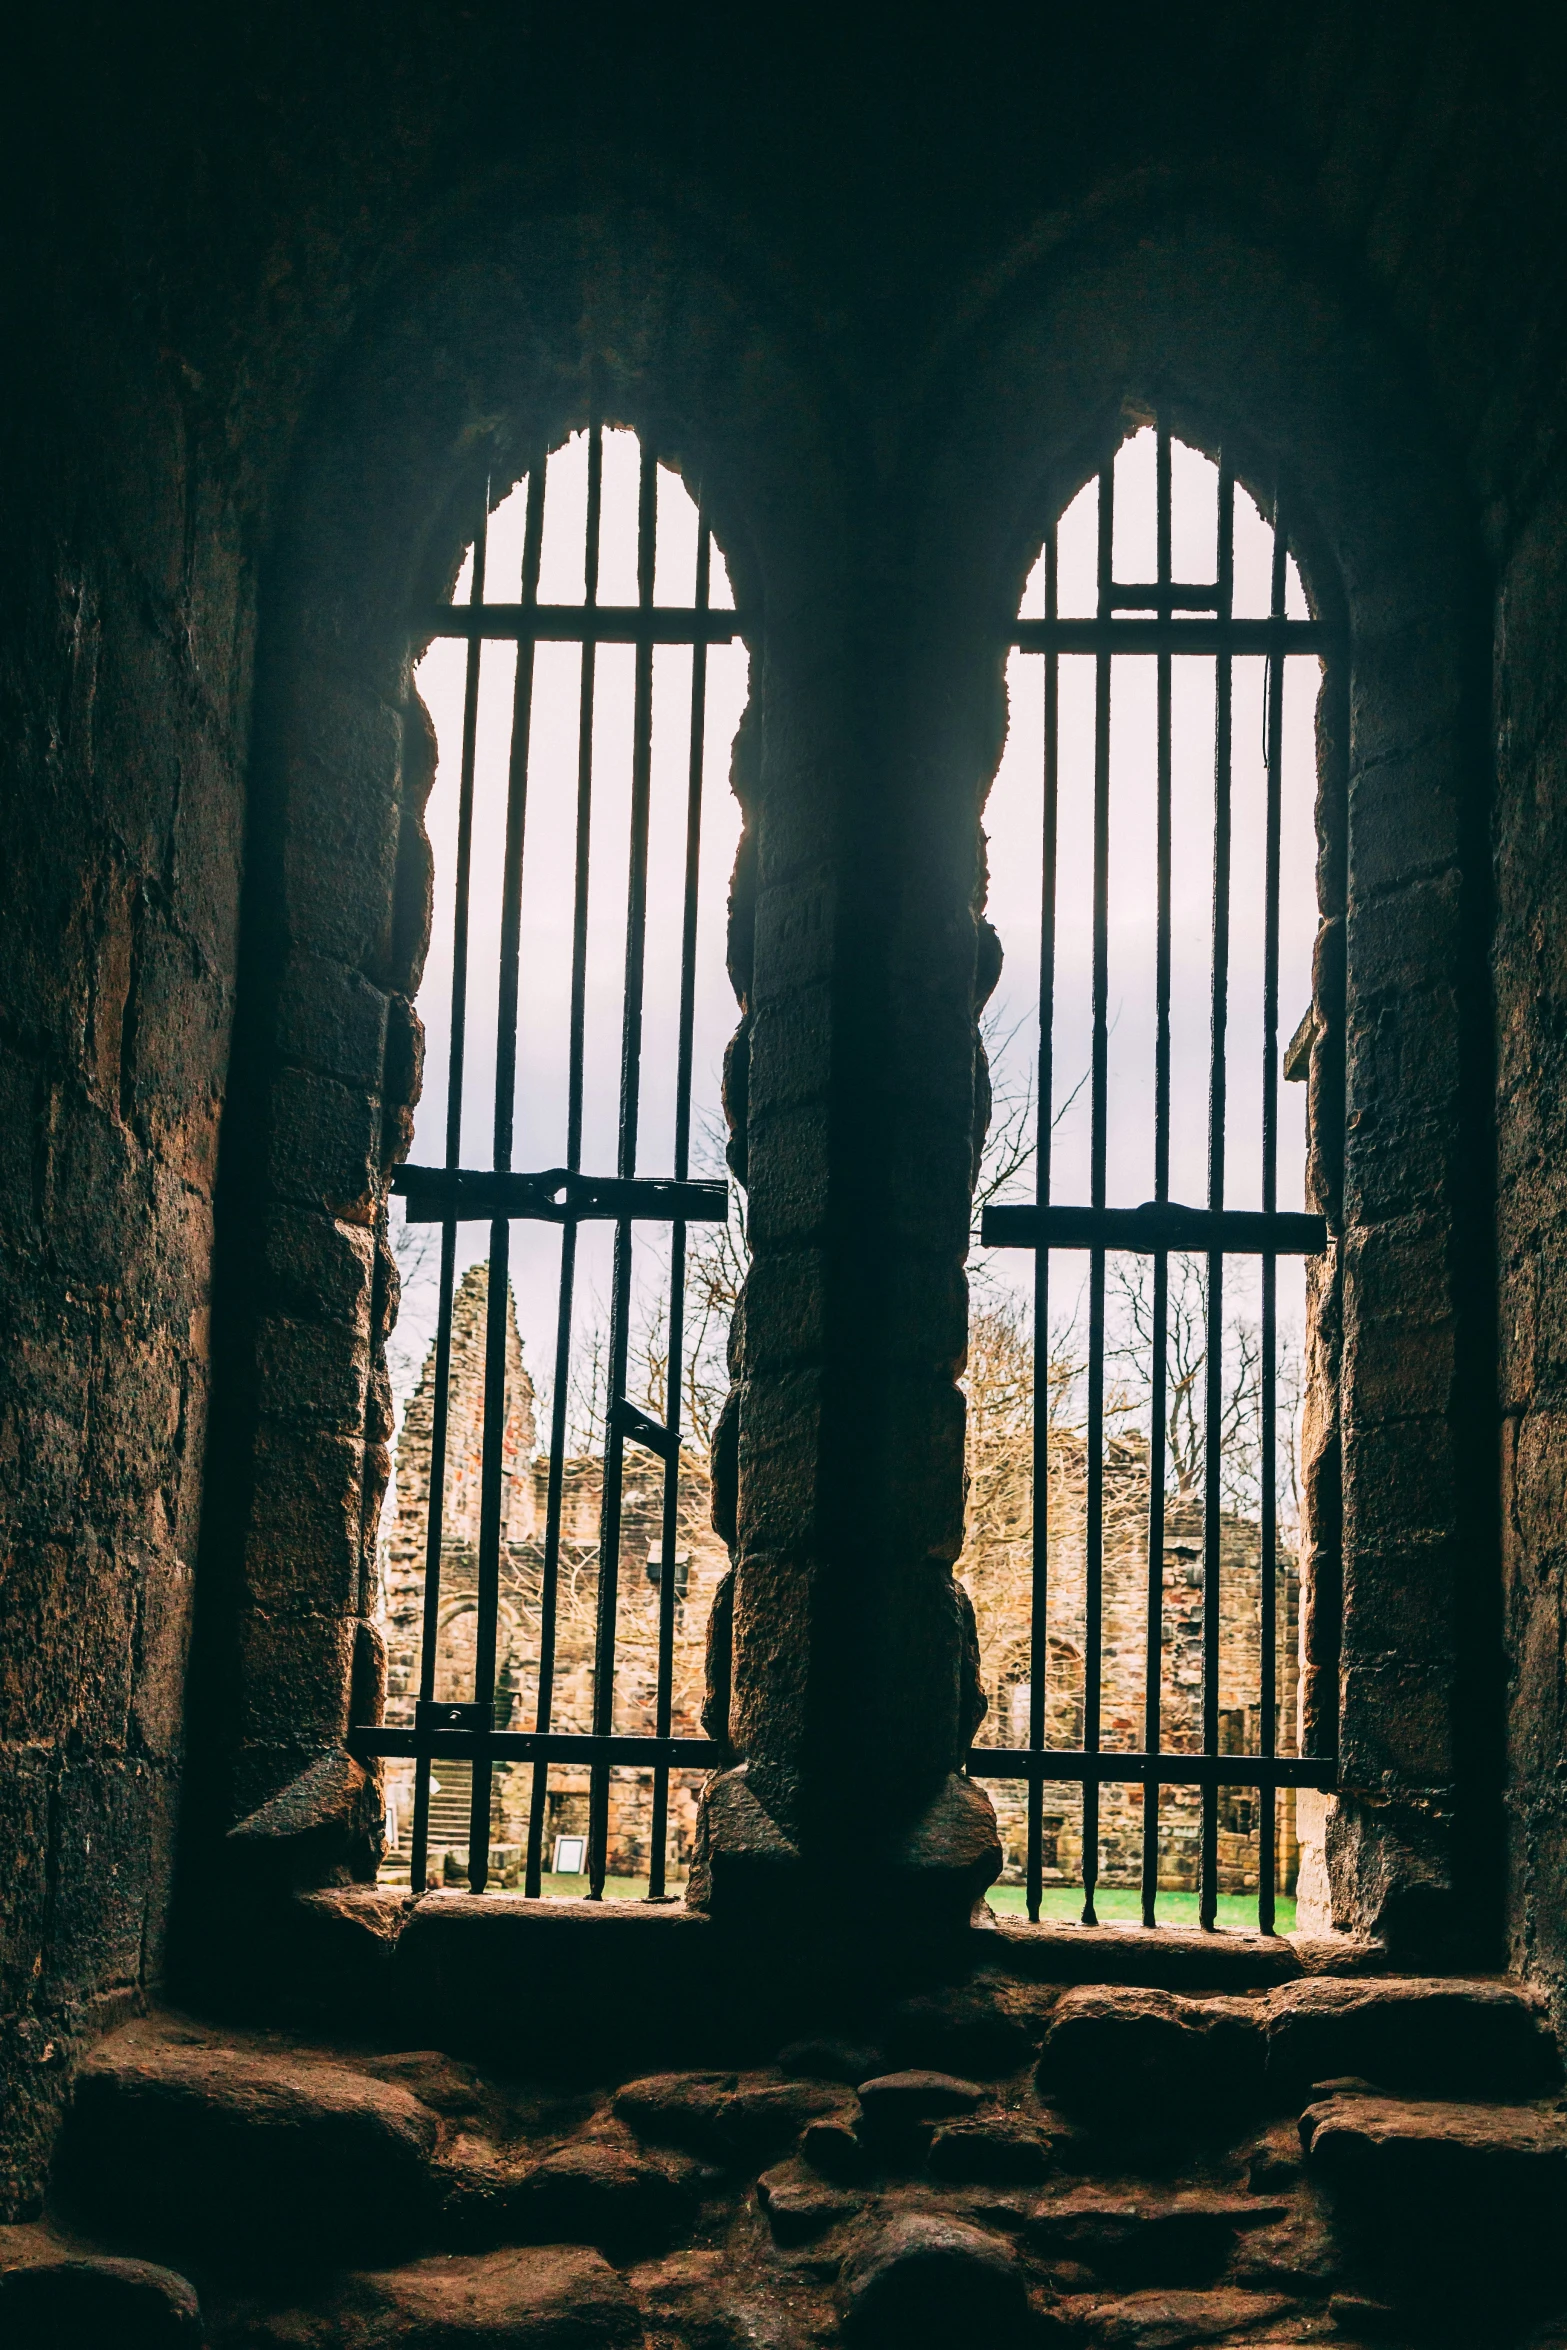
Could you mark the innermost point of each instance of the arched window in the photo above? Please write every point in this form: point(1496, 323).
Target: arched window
point(1153, 862)
point(564, 1237)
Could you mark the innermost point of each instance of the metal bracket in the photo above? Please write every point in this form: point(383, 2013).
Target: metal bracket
point(556, 1195)
point(637, 1428)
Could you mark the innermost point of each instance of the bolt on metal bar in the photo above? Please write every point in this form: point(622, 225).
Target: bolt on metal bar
point(1267, 1824)
point(1039, 1645)
point(549, 1581)
point(630, 1098)
point(418, 1871)
point(1093, 1645)
point(1154, 1665)
point(670, 1530)
point(1213, 1429)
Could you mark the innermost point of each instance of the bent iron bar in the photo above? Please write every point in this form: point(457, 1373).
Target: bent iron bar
point(451, 1193)
point(1187, 620)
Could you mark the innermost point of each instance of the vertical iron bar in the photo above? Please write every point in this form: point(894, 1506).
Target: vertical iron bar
point(549, 1584)
point(1152, 1723)
point(418, 1871)
point(1213, 1488)
point(1039, 1645)
point(1267, 1823)
point(670, 1530)
point(1094, 1565)
point(498, 1300)
point(630, 1090)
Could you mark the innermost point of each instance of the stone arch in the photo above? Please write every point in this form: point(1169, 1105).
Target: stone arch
point(1247, 340)
point(493, 347)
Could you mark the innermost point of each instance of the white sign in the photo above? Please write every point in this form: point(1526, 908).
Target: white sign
point(570, 1854)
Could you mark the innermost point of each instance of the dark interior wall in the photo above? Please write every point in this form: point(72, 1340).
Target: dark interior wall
point(203, 207)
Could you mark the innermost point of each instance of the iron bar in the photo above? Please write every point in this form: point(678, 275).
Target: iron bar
point(1157, 1226)
point(584, 624)
point(1213, 1411)
point(1220, 636)
point(549, 1581)
point(1267, 1823)
point(1039, 1644)
point(630, 1098)
point(669, 1533)
point(1093, 1645)
point(558, 1195)
point(498, 1297)
point(1154, 1659)
point(1068, 1764)
point(431, 1624)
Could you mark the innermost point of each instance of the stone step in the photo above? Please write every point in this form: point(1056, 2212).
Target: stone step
point(1123, 2242)
point(1140, 2056)
point(1414, 2035)
point(1451, 2205)
point(176, 2139)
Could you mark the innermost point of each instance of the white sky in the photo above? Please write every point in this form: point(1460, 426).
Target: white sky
point(1013, 825)
point(548, 865)
point(1013, 828)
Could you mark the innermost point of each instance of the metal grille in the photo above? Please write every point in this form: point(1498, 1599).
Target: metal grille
point(466, 1731)
point(1171, 619)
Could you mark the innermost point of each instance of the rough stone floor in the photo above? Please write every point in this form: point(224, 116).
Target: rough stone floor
point(1360, 2161)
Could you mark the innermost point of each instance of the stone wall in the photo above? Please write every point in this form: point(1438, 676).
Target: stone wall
point(266, 270)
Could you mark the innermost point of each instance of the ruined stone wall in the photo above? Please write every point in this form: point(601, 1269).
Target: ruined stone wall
point(702, 1560)
point(208, 214)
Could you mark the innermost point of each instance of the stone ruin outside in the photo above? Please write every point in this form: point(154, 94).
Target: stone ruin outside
point(995, 1568)
point(700, 1562)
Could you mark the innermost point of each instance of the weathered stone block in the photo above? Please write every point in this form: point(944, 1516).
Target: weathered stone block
point(72, 2304)
point(325, 1144)
point(1429, 2038)
point(179, 2141)
point(922, 2279)
point(331, 1019)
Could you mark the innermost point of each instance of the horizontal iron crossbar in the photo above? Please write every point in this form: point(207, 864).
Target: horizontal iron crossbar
point(584, 624)
point(564, 1746)
point(1164, 1770)
point(1194, 1231)
point(1166, 635)
point(1070, 1765)
point(440, 1195)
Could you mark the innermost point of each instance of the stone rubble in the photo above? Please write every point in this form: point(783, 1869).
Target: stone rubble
point(786, 2209)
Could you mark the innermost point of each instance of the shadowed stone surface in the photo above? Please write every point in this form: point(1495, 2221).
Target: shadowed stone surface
point(98, 2304)
point(799, 2206)
point(1168, 2321)
point(1435, 2039)
point(1000, 2149)
point(922, 2280)
point(178, 2142)
point(603, 2190)
point(1145, 2056)
point(1180, 2240)
point(552, 2296)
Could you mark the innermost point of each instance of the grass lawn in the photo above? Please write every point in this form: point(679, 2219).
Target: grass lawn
point(1062, 1904)
point(1118, 1904)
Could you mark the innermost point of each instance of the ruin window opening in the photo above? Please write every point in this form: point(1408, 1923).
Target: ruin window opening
point(566, 1236)
point(1153, 864)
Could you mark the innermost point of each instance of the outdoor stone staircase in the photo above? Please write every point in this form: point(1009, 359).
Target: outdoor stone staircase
point(1357, 2160)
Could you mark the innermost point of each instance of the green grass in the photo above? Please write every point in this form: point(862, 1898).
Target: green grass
point(1118, 1904)
point(1061, 1905)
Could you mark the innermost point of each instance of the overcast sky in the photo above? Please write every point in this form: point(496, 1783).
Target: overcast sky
point(1013, 820)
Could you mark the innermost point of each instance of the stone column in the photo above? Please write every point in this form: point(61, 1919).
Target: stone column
point(853, 1097)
